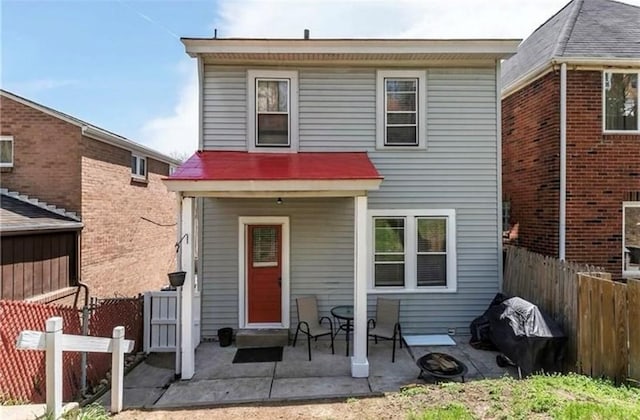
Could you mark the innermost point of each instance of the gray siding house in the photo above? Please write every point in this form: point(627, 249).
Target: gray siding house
point(344, 169)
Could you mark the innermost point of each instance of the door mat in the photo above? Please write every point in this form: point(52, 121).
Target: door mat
point(258, 355)
point(429, 340)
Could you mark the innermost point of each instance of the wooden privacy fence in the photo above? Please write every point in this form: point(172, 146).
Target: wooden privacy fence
point(600, 317)
point(552, 285)
point(608, 328)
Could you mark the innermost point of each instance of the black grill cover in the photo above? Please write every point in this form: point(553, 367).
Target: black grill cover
point(523, 333)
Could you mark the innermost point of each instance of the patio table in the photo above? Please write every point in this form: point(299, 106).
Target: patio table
point(344, 312)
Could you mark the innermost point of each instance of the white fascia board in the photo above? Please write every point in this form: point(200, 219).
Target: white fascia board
point(135, 148)
point(501, 47)
point(273, 185)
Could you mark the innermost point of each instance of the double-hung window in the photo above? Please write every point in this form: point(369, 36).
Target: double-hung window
point(272, 114)
point(6, 151)
point(413, 250)
point(401, 113)
point(631, 238)
point(138, 167)
point(620, 101)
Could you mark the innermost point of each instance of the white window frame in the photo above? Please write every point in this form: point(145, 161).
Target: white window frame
point(421, 108)
point(627, 273)
point(8, 164)
point(604, 103)
point(252, 77)
point(411, 251)
point(136, 174)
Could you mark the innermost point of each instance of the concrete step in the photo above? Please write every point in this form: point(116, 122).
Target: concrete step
point(262, 338)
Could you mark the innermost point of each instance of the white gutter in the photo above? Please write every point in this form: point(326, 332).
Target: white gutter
point(563, 162)
point(500, 47)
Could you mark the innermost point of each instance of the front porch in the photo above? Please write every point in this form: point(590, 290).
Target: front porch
point(218, 381)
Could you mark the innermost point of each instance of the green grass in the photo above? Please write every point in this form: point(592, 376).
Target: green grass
point(563, 397)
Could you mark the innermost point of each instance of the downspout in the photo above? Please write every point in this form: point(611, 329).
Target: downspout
point(563, 163)
point(499, 170)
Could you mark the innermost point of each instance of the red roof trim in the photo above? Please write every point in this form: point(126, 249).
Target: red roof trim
point(245, 166)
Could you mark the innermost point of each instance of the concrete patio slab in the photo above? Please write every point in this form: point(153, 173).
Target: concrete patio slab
point(134, 398)
point(215, 391)
point(215, 362)
point(218, 380)
point(148, 376)
point(313, 388)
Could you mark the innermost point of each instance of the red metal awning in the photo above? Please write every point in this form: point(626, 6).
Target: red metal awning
point(232, 171)
point(236, 166)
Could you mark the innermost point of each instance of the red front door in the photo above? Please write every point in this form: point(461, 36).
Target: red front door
point(264, 269)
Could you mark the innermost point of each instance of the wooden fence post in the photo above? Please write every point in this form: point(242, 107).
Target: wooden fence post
point(117, 369)
point(53, 343)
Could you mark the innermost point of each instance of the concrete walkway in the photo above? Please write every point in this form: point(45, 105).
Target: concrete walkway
point(218, 381)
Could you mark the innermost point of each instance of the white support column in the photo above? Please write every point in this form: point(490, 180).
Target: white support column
point(53, 343)
point(186, 304)
point(359, 362)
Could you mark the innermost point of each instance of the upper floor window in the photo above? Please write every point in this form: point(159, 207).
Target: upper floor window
point(413, 250)
point(620, 97)
point(138, 167)
point(6, 151)
point(273, 110)
point(631, 239)
point(401, 114)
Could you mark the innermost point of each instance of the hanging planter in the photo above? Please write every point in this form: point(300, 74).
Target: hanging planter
point(176, 279)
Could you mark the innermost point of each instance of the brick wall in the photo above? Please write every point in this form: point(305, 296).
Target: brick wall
point(530, 162)
point(46, 155)
point(122, 253)
point(601, 168)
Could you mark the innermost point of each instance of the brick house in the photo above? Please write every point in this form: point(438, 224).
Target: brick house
point(111, 183)
point(571, 138)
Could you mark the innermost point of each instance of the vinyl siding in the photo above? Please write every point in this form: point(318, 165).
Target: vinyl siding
point(321, 254)
point(458, 170)
point(224, 108)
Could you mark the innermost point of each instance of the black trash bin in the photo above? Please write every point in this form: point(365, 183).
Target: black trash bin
point(225, 335)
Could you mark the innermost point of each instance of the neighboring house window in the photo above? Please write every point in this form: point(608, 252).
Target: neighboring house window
point(6, 151)
point(413, 250)
point(138, 167)
point(172, 169)
point(401, 109)
point(620, 101)
point(273, 110)
point(631, 238)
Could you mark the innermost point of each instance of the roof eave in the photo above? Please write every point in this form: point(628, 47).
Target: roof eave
point(106, 137)
point(577, 62)
point(501, 48)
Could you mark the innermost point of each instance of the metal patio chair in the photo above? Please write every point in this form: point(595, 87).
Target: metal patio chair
point(310, 324)
point(386, 325)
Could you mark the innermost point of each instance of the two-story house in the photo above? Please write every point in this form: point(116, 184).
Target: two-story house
point(571, 136)
point(345, 169)
point(104, 183)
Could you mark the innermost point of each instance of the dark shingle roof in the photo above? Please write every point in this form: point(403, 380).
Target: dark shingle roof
point(17, 214)
point(583, 28)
